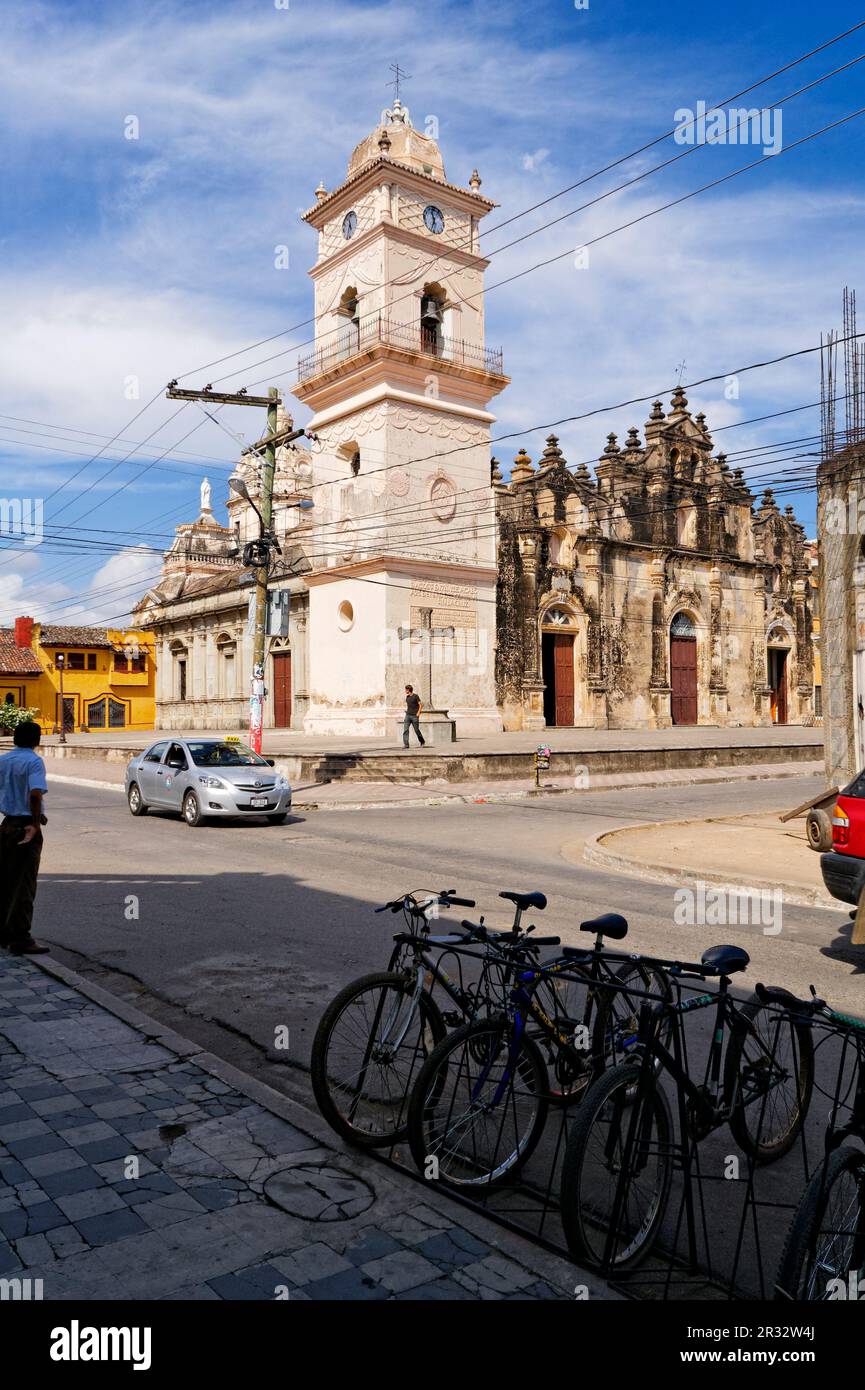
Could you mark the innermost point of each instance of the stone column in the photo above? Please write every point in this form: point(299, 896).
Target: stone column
point(762, 691)
point(659, 684)
point(196, 688)
point(595, 665)
point(298, 629)
point(804, 670)
point(717, 674)
point(533, 677)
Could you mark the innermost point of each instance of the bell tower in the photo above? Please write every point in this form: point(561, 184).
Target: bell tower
point(403, 546)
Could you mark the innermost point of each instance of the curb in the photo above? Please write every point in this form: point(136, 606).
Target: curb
point(599, 856)
point(520, 1248)
point(464, 799)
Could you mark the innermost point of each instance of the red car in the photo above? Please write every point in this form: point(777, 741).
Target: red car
point(844, 866)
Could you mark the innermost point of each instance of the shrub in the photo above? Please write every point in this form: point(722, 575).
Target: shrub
point(10, 715)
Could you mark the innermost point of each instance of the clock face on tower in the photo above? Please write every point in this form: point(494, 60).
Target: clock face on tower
point(433, 219)
point(349, 225)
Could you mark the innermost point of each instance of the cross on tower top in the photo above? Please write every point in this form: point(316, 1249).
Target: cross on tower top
point(399, 75)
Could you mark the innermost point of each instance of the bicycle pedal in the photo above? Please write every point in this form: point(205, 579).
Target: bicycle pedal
point(452, 1019)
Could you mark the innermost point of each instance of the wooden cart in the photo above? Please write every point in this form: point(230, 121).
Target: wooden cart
point(818, 822)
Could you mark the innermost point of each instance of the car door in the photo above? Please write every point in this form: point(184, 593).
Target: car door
point(150, 775)
point(175, 778)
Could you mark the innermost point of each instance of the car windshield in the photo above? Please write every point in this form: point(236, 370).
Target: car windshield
point(216, 753)
point(856, 787)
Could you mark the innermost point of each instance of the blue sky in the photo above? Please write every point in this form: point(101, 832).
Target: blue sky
point(147, 258)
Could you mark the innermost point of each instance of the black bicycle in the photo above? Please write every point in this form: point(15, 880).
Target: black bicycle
point(373, 1037)
point(621, 1152)
point(480, 1103)
point(824, 1253)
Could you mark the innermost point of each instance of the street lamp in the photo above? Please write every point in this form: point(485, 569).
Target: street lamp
point(60, 662)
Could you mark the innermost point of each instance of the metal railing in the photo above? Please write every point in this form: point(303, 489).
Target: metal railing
point(376, 330)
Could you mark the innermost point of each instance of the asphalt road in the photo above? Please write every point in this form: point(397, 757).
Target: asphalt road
point(255, 927)
point(229, 933)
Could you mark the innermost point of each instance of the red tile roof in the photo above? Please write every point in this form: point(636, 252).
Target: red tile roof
point(16, 661)
point(74, 637)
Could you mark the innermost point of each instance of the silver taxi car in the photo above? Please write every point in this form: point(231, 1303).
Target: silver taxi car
point(204, 777)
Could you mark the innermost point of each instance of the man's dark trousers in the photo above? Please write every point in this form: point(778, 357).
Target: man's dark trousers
point(412, 721)
point(19, 874)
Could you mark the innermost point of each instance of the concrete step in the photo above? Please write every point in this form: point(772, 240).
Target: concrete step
point(432, 766)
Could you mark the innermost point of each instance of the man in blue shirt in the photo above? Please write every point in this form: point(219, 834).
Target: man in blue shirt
point(22, 787)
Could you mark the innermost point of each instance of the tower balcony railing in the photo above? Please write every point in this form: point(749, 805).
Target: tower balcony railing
point(376, 330)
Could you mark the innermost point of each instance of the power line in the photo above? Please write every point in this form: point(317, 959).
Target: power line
point(534, 207)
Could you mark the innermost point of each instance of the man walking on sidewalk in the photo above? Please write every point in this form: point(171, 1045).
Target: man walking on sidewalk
point(413, 708)
point(22, 786)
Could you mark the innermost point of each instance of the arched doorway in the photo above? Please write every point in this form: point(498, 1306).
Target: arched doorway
point(558, 666)
point(777, 664)
point(683, 670)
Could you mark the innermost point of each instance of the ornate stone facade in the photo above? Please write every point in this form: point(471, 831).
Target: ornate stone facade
point(653, 593)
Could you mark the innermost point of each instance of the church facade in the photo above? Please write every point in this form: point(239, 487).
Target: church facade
point(654, 593)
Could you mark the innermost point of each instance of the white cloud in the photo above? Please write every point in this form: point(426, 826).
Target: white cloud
point(532, 162)
point(149, 258)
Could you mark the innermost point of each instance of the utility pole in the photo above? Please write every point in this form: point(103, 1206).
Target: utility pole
point(266, 539)
point(256, 699)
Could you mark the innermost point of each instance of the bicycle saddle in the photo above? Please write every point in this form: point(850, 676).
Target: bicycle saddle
point(725, 960)
point(611, 924)
point(526, 900)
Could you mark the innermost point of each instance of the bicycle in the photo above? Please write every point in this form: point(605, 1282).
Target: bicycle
point(371, 1036)
point(481, 1099)
point(824, 1253)
point(621, 1152)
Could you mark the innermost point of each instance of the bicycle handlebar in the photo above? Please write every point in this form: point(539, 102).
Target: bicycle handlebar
point(446, 898)
point(773, 994)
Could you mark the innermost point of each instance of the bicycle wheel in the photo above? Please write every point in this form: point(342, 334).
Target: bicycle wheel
point(368, 1048)
point(477, 1111)
point(826, 1241)
point(618, 1013)
point(568, 1002)
point(617, 1111)
point(768, 1079)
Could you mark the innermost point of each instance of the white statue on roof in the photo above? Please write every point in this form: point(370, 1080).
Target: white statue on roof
point(206, 494)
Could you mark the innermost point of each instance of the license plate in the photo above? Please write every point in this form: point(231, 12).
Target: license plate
point(258, 801)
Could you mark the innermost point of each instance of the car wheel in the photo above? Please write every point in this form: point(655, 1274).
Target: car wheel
point(818, 829)
point(279, 819)
point(192, 810)
point(136, 803)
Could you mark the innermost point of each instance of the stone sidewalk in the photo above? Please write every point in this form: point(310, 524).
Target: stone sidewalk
point(134, 1166)
point(754, 851)
point(278, 742)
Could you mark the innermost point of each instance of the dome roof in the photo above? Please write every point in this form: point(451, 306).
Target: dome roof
point(396, 137)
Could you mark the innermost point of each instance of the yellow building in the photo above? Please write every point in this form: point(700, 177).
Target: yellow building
point(108, 675)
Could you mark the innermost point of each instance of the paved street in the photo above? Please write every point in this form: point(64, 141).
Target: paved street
point(244, 929)
point(230, 933)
